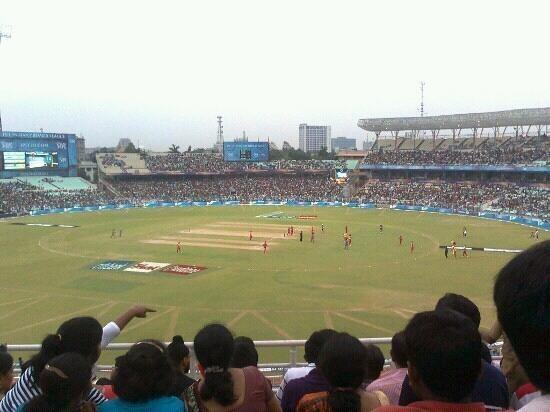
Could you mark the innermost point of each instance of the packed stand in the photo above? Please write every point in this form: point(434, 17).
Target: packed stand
point(243, 188)
point(472, 197)
point(457, 157)
point(189, 163)
point(21, 198)
point(440, 363)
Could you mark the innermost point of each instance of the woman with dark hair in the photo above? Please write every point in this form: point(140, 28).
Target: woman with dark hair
point(81, 335)
point(178, 355)
point(143, 379)
point(64, 380)
point(375, 364)
point(6, 370)
point(223, 388)
point(343, 362)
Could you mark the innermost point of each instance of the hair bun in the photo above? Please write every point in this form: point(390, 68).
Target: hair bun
point(177, 339)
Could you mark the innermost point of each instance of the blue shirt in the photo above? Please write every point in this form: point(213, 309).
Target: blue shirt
point(162, 404)
point(490, 388)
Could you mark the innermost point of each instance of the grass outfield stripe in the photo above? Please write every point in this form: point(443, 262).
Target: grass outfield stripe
point(13, 302)
point(150, 318)
point(204, 244)
point(107, 309)
point(271, 325)
point(328, 320)
point(363, 322)
point(237, 318)
point(210, 240)
point(172, 325)
point(65, 316)
point(20, 308)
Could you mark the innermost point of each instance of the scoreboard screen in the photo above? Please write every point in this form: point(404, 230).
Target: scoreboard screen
point(28, 160)
point(246, 151)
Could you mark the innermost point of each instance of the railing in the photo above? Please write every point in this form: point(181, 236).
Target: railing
point(292, 345)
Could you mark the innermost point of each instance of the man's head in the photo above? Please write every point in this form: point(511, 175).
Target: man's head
point(398, 350)
point(315, 343)
point(522, 298)
point(461, 304)
point(444, 355)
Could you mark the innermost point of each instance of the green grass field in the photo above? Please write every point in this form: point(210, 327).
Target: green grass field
point(370, 290)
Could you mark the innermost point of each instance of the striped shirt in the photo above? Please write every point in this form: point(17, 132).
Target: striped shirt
point(26, 389)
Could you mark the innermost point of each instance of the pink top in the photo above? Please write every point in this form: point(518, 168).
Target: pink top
point(257, 392)
point(390, 383)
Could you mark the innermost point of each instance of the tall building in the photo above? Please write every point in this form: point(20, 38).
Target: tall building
point(342, 143)
point(313, 138)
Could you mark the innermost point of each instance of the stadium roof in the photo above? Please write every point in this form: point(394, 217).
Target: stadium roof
point(517, 117)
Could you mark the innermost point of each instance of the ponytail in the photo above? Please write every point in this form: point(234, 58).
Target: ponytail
point(81, 335)
point(344, 400)
point(51, 347)
point(218, 386)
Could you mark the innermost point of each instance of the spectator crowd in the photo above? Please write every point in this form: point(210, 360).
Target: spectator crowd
point(440, 363)
point(471, 197)
point(190, 163)
point(458, 157)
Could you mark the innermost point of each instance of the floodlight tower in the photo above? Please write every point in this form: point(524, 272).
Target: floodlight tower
point(422, 84)
point(219, 141)
point(3, 35)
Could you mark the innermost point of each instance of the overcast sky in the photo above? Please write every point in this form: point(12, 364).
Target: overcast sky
point(161, 71)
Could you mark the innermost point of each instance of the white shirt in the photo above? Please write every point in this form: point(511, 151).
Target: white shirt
point(110, 332)
point(540, 404)
point(291, 374)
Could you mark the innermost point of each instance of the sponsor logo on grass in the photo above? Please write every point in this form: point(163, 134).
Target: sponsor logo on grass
point(146, 267)
point(307, 217)
point(183, 269)
point(112, 265)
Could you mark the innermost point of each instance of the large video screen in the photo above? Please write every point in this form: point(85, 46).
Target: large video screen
point(246, 151)
point(29, 160)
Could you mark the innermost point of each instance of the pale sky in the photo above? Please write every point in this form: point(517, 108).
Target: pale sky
point(161, 71)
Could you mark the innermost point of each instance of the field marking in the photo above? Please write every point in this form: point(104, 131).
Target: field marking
point(257, 225)
point(401, 314)
point(328, 320)
point(237, 318)
point(363, 322)
point(107, 309)
point(204, 244)
point(64, 316)
point(35, 301)
point(171, 331)
point(148, 319)
point(271, 325)
point(16, 301)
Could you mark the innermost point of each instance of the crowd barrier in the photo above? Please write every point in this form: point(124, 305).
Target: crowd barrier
point(486, 214)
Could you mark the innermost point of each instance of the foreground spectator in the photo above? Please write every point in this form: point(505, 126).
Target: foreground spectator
point(444, 351)
point(313, 382)
point(63, 381)
point(312, 348)
point(521, 295)
point(343, 361)
point(143, 379)
point(178, 355)
point(244, 353)
point(375, 364)
point(223, 388)
point(6, 370)
point(81, 335)
point(391, 381)
point(490, 387)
